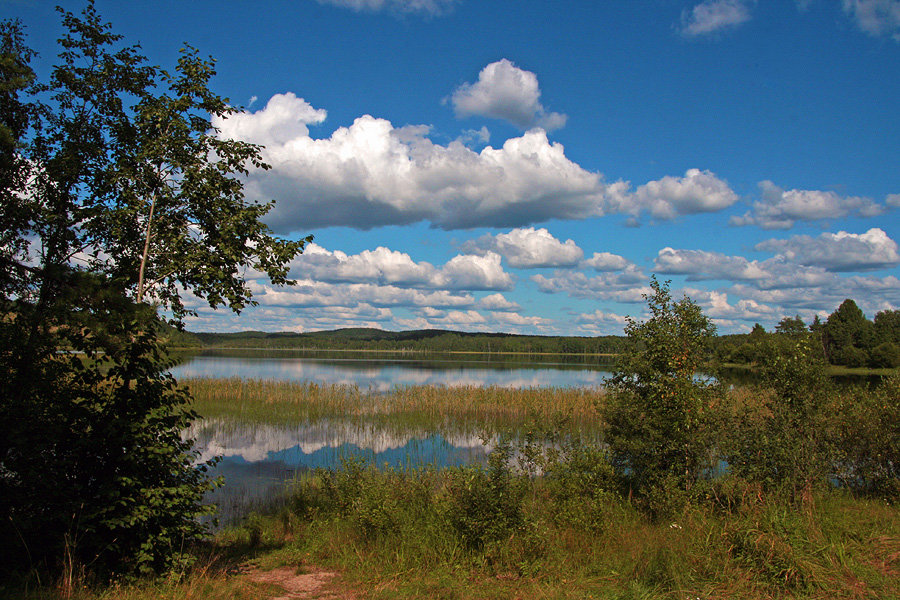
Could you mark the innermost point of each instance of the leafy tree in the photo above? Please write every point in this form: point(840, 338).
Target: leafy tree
point(816, 325)
point(885, 356)
point(758, 333)
point(847, 335)
point(658, 427)
point(115, 198)
point(791, 326)
point(887, 327)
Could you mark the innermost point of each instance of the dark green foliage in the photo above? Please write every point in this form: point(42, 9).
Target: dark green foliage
point(887, 327)
point(758, 333)
point(428, 340)
point(485, 505)
point(791, 326)
point(885, 356)
point(785, 443)
point(112, 192)
point(657, 409)
point(93, 462)
point(583, 485)
point(868, 439)
point(847, 336)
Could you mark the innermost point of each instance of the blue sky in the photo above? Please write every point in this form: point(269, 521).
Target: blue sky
point(527, 166)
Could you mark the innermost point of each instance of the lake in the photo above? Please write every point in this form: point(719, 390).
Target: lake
point(257, 459)
point(383, 371)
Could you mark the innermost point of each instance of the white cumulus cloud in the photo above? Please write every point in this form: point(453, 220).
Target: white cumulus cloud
point(781, 209)
point(372, 174)
point(714, 16)
point(876, 17)
point(698, 191)
point(504, 91)
point(702, 264)
point(606, 261)
point(526, 248)
point(284, 118)
point(474, 273)
point(600, 317)
point(428, 7)
point(384, 266)
point(839, 251)
point(498, 302)
point(618, 287)
point(311, 293)
point(774, 273)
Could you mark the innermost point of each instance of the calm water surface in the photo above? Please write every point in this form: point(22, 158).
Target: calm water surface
point(383, 371)
point(258, 460)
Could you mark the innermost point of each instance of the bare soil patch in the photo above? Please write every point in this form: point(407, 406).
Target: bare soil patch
point(310, 585)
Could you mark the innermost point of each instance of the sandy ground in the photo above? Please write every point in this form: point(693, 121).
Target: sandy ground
point(312, 585)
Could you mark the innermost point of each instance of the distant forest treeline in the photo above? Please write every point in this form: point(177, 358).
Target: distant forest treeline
point(427, 340)
point(847, 337)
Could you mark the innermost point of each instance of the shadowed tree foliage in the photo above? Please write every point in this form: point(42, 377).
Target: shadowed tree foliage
point(117, 196)
point(786, 446)
point(847, 336)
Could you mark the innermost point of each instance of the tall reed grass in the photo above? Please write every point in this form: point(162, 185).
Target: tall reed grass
point(488, 407)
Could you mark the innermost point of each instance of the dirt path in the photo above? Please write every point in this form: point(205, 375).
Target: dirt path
point(314, 585)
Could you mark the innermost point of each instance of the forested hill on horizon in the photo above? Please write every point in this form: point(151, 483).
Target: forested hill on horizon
point(434, 340)
point(847, 338)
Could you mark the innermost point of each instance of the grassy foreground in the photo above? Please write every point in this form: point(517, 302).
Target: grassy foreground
point(532, 523)
point(434, 535)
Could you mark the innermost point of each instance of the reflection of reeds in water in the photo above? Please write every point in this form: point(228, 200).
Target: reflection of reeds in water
point(433, 407)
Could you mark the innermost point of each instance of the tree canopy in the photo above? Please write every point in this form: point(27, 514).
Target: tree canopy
point(117, 199)
point(658, 408)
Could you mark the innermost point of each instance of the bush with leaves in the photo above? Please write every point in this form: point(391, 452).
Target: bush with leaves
point(485, 504)
point(789, 444)
point(658, 406)
point(94, 465)
point(868, 439)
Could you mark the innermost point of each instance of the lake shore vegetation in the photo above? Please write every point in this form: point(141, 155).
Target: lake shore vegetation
point(564, 524)
point(786, 488)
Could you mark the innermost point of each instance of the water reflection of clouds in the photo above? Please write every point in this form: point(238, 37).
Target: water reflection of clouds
point(258, 442)
point(384, 377)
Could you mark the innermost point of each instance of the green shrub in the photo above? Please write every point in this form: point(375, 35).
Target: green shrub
point(885, 356)
point(94, 466)
point(786, 442)
point(657, 409)
point(582, 485)
point(868, 436)
point(485, 504)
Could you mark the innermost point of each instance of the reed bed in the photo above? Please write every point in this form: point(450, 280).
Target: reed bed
point(430, 406)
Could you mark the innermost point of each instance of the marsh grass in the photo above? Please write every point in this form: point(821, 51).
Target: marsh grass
point(432, 407)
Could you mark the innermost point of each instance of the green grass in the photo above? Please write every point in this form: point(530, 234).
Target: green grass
point(396, 536)
point(393, 535)
point(481, 409)
point(562, 529)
